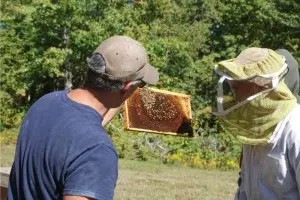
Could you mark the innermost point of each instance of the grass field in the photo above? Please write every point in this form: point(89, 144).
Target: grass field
point(151, 181)
point(7, 153)
point(156, 181)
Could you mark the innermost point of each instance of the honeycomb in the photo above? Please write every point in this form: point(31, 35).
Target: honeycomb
point(158, 111)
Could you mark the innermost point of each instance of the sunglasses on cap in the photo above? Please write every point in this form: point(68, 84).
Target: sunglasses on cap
point(139, 83)
point(142, 84)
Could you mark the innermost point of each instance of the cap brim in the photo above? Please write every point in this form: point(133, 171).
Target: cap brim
point(151, 75)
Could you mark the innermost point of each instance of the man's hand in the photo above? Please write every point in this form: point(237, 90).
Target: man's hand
point(110, 114)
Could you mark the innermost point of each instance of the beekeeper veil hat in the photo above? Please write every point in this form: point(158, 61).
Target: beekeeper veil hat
point(250, 94)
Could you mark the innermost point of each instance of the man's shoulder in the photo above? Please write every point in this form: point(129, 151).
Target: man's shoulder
point(51, 95)
point(294, 118)
point(86, 137)
point(86, 129)
point(292, 127)
point(46, 101)
point(288, 129)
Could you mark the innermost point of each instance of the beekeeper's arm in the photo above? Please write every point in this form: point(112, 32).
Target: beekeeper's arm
point(241, 193)
point(294, 156)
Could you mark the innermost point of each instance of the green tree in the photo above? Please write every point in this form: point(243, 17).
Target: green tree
point(44, 45)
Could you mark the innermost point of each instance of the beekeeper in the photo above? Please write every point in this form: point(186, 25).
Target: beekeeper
point(255, 105)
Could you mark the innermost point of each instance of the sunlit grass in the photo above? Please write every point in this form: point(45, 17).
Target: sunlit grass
point(7, 153)
point(145, 181)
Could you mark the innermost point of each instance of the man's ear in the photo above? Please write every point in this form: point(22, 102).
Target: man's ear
point(128, 89)
point(127, 86)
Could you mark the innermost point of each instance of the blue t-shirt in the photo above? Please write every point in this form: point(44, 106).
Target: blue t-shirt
point(63, 149)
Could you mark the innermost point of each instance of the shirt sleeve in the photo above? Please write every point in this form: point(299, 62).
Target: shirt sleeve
point(93, 173)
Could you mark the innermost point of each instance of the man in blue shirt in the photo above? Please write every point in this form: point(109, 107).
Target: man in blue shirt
point(63, 151)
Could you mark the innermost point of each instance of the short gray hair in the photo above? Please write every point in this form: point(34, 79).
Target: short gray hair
point(98, 83)
point(94, 80)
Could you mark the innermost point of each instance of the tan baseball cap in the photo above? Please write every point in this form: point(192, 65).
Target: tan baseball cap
point(126, 60)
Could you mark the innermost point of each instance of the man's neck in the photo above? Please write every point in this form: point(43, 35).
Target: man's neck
point(87, 97)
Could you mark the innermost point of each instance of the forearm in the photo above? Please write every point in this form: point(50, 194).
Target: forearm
point(110, 114)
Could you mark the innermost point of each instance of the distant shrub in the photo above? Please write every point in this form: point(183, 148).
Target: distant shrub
point(9, 136)
point(198, 162)
point(209, 150)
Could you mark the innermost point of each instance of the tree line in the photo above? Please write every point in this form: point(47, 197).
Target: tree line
point(44, 45)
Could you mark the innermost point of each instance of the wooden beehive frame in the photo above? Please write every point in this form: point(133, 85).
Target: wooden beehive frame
point(187, 111)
